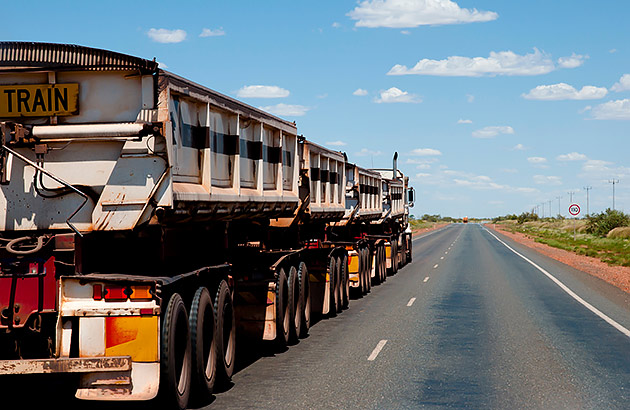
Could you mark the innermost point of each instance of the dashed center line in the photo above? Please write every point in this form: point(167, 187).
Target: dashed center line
point(441, 257)
point(426, 279)
point(436, 265)
point(377, 350)
point(411, 301)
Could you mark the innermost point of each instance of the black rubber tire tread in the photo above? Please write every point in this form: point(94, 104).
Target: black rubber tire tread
point(295, 305)
point(361, 288)
point(305, 294)
point(366, 256)
point(202, 327)
point(332, 272)
point(172, 372)
point(339, 286)
point(226, 344)
point(345, 282)
point(283, 319)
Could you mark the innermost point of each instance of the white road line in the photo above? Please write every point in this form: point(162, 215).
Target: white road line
point(377, 350)
point(436, 265)
point(426, 279)
point(446, 253)
point(411, 301)
point(441, 257)
point(562, 286)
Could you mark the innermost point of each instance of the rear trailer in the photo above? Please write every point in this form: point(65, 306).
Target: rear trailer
point(148, 219)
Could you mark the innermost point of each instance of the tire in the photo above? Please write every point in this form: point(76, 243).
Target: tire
point(409, 250)
point(368, 278)
point(380, 259)
point(339, 285)
point(295, 305)
point(226, 333)
point(345, 283)
point(203, 343)
point(283, 318)
point(361, 289)
point(175, 355)
point(332, 273)
point(305, 294)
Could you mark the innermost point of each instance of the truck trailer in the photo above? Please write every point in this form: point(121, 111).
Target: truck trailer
point(145, 220)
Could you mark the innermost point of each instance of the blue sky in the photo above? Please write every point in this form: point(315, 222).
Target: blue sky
point(494, 106)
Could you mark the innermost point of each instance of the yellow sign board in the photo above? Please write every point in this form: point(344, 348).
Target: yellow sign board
point(39, 100)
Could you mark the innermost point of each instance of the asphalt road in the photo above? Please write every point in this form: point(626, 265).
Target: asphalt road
point(468, 324)
point(475, 321)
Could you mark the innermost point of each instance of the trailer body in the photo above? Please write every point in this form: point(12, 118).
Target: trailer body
point(146, 219)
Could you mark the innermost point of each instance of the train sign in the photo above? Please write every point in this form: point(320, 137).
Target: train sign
point(574, 209)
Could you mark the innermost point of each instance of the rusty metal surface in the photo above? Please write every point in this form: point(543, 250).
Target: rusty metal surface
point(66, 365)
point(22, 56)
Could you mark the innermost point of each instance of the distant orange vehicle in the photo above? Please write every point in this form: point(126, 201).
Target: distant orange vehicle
point(465, 220)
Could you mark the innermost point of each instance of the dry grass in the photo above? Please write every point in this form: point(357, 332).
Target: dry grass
point(619, 233)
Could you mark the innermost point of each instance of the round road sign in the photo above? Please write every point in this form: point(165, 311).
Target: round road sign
point(574, 209)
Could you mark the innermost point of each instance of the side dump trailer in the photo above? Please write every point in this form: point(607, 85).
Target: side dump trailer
point(146, 219)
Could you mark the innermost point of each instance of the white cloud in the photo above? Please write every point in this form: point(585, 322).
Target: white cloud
point(336, 143)
point(519, 147)
point(262, 91)
point(498, 63)
point(336, 25)
point(562, 91)
point(547, 180)
point(367, 152)
point(572, 156)
point(395, 95)
point(612, 110)
point(463, 121)
point(573, 61)
point(360, 92)
point(493, 131)
point(286, 109)
point(470, 98)
point(425, 152)
point(405, 32)
point(538, 162)
point(162, 35)
point(208, 32)
point(623, 84)
point(414, 13)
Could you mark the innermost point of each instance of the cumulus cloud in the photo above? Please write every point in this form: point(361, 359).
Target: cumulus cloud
point(547, 180)
point(368, 152)
point(162, 35)
point(336, 143)
point(573, 61)
point(563, 91)
point(360, 92)
point(612, 110)
point(519, 147)
point(493, 131)
point(539, 162)
point(395, 95)
point(208, 32)
point(262, 91)
point(425, 152)
point(572, 156)
point(463, 121)
point(286, 109)
point(623, 84)
point(414, 13)
point(497, 63)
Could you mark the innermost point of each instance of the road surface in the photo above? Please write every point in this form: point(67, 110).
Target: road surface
point(475, 321)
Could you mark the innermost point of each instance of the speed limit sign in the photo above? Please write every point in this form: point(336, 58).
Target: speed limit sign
point(574, 209)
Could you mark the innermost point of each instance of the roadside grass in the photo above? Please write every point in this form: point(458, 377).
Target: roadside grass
point(614, 250)
point(421, 224)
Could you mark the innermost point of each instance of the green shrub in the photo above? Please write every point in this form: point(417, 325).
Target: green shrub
point(527, 216)
point(604, 222)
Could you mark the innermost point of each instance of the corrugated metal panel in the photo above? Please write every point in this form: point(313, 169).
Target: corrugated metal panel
point(27, 56)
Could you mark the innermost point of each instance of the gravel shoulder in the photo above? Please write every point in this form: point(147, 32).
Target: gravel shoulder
point(618, 276)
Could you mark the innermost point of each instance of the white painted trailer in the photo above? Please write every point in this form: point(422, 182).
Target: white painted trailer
point(145, 218)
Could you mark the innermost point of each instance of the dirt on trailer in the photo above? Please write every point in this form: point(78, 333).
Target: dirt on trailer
point(618, 276)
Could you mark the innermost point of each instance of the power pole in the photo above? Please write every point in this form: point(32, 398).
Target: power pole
point(588, 188)
point(613, 182)
point(571, 196)
point(550, 211)
point(559, 198)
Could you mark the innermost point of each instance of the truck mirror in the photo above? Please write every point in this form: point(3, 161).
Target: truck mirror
point(411, 195)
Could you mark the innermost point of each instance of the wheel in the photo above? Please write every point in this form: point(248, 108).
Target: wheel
point(409, 248)
point(339, 285)
point(361, 289)
point(295, 305)
point(203, 343)
point(226, 333)
point(380, 259)
point(395, 256)
point(332, 284)
point(345, 283)
point(283, 317)
point(368, 279)
point(377, 273)
point(175, 355)
point(305, 295)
